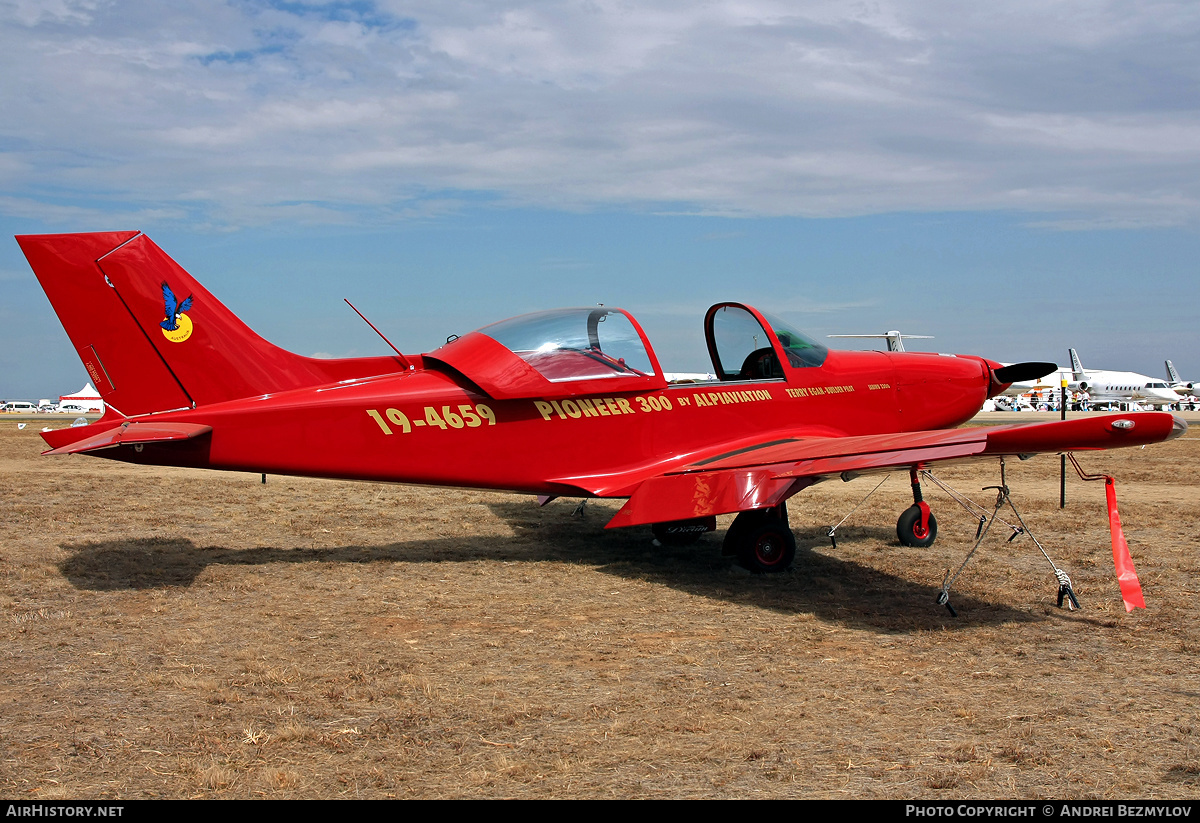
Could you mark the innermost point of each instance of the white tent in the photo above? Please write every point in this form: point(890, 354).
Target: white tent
point(87, 397)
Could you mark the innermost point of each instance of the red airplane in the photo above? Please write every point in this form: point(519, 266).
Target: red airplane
point(569, 403)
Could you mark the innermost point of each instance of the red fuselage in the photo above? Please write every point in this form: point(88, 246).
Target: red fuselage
point(426, 426)
point(567, 402)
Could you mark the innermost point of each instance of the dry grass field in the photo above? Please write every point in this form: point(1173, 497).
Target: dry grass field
point(173, 633)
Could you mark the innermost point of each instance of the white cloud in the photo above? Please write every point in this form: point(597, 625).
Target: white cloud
point(33, 12)
point(96, 216)
point(1165, 135)
point(252, 111)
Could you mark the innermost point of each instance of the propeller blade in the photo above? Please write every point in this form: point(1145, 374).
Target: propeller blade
point(1020, 372)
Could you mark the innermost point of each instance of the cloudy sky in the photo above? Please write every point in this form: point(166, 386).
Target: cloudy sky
point(1012, 178)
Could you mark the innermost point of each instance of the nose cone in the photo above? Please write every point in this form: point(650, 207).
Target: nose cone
point(937, 390)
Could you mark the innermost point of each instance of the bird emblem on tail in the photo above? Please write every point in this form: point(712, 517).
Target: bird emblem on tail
point(176, 325)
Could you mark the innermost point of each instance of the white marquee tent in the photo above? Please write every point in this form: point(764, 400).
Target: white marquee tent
point(87, 397)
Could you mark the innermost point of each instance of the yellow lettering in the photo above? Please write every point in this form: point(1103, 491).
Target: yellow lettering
point(544, 408)
point(399, 418)
point(571, 409)
point(378, 419)
point(624, 404)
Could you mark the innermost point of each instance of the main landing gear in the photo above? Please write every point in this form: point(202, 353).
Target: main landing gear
point(762, 540)
point(917, 526)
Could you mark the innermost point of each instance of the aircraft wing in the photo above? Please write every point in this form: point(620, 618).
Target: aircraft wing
point(766, 474)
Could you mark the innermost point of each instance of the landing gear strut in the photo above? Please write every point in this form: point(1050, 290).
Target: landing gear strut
point(917, 527)
point(762, 540)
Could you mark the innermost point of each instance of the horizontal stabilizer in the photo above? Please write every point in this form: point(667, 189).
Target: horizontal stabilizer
point(126, 434)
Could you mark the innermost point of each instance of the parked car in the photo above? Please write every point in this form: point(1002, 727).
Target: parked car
point(21, 407)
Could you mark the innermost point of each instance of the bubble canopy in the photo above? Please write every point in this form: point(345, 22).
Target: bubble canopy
point(575, 344)
point(600, 350)
point(564, 352)
point(746, 344)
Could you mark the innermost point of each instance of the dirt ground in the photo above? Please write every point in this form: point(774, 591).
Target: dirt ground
point(174, 633)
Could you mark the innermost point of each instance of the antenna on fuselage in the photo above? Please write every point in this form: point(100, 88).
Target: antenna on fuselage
point(403, 359)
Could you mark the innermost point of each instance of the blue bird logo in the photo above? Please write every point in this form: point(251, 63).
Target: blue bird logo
point(176, 325)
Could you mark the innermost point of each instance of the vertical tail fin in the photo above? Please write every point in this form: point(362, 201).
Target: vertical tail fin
point(121, 362)
point(153, 339)
point(1172, 375)
point(1076, 366)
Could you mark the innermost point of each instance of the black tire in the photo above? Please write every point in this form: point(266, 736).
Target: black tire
point(683, 532)
point(744, 522)
point(767, 548)
point(908, 529)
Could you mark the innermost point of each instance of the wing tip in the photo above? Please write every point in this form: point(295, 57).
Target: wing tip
point(1179, 427)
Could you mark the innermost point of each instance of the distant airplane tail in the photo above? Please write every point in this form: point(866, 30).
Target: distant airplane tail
point(153, 339)
point(1076, 367)
point(1172, 375)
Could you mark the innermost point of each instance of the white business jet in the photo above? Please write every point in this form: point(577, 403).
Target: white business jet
point(1119, 386)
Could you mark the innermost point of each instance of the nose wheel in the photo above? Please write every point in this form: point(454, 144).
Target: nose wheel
point(917, 527)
